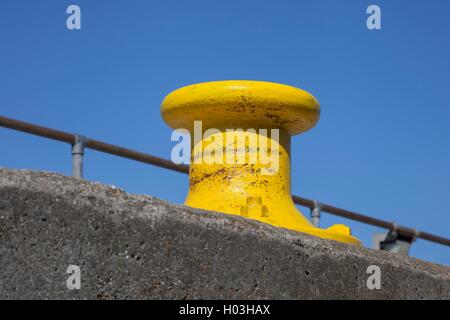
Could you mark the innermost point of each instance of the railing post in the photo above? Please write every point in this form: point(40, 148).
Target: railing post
point(393, 242)
point(77, 156)
point(315, 214)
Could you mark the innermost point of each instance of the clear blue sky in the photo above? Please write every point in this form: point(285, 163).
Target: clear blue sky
point(381, 146)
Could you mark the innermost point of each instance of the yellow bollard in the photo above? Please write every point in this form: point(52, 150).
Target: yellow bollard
point(230, 169)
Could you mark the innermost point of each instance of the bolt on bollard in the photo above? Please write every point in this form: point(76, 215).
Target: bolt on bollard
point(236, 178)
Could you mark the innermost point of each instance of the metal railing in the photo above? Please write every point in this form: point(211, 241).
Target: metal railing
point(79, 143)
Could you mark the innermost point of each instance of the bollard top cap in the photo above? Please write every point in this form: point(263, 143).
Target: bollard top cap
point(241, 104)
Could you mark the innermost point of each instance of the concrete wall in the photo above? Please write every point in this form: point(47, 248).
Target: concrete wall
point(131, 246)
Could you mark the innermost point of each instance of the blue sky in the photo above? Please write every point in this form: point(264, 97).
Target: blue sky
point(381, 146)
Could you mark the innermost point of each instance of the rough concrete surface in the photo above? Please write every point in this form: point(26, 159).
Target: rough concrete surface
point(139, 247)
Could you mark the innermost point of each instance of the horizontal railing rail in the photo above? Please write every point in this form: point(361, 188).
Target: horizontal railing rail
point(72, 139)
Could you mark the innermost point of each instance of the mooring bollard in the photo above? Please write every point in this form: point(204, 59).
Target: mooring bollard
point(240, 163)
